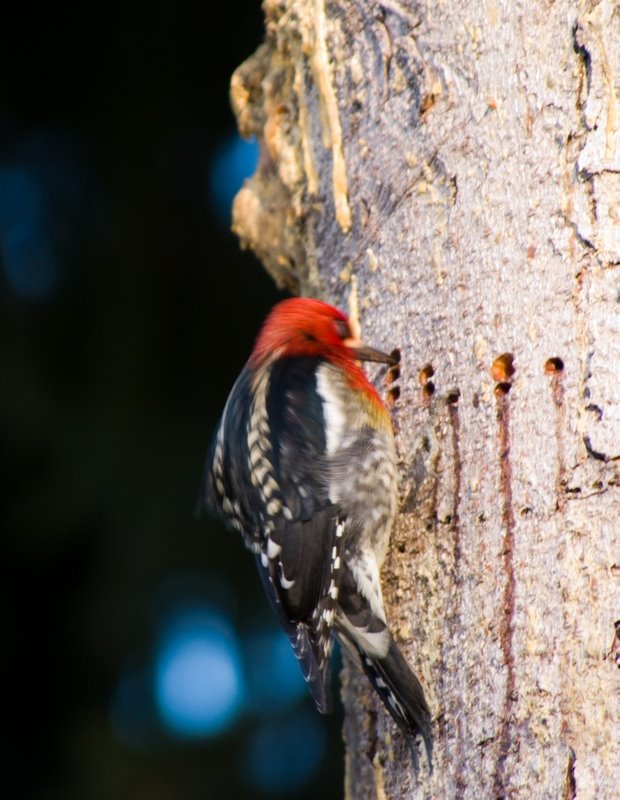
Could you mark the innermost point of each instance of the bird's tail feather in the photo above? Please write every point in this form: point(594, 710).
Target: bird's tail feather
point(402, 694)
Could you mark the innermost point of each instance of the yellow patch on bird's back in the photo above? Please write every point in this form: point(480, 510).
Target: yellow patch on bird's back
point(376, 409)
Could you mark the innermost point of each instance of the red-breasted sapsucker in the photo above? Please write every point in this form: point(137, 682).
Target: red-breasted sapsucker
point(303, 465)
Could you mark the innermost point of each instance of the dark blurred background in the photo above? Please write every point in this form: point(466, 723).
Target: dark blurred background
point(139, 656)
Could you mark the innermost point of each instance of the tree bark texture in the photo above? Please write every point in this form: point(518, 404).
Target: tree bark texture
point(456, 166)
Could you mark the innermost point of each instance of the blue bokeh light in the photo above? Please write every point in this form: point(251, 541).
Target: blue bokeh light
point(274, 677)
point(234, 161)
point(26, 250)
point(198, 679)
point(283, 754)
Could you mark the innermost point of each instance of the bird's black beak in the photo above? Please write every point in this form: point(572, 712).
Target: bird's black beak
point(365, 353)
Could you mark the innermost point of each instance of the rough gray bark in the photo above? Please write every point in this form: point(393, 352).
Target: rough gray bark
point(459, 165)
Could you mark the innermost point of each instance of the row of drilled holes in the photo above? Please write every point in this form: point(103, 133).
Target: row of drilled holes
point(502, 372)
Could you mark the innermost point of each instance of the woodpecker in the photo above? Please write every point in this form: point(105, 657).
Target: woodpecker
point(303, 466)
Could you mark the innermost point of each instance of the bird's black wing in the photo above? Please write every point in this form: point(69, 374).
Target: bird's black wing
point(305, 539)
point(226, 489)
point(268, 473)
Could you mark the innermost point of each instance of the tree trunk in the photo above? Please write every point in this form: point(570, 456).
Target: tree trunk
point(457, 168)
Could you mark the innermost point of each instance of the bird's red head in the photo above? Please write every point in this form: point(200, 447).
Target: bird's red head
point(302, 326)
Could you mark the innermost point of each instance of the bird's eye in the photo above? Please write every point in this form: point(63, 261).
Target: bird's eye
point(342, 329)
